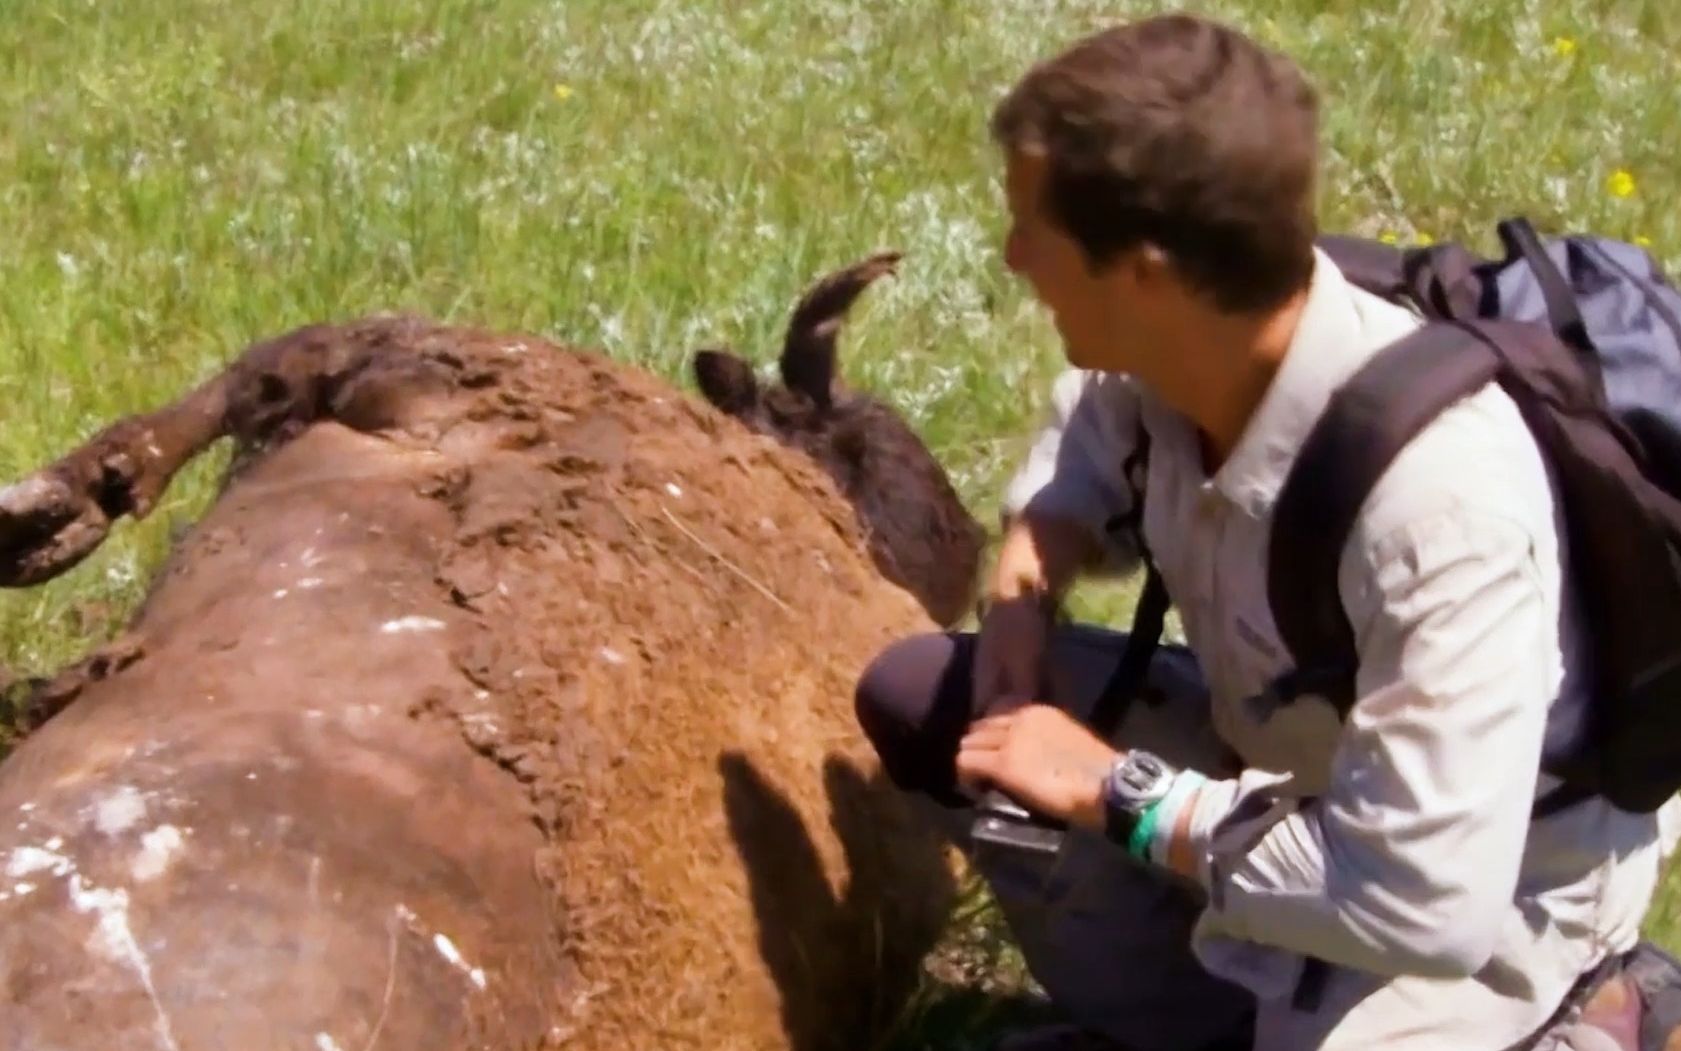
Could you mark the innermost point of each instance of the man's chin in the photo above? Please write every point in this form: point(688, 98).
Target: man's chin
point(1086, 358)
point(1078, 352)
point(1076, 356)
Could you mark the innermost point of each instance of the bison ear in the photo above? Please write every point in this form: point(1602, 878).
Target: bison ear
point(726, 381)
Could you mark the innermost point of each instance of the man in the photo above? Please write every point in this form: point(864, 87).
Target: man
point(1273, 878)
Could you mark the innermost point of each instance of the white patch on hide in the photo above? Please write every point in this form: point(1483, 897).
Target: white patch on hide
point(672, 488)
point(309, 583)
point(26, 861)
point(448, 951)
point(445, 947)
point(611, 655)
point(114, 939)
point(412, 623)
point(357, 714)
point(119, 811)
point(157, 852)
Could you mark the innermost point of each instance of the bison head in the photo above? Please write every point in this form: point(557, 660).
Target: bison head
point(921, 535)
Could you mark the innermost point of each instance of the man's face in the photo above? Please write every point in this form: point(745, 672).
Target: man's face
point(1083, 305)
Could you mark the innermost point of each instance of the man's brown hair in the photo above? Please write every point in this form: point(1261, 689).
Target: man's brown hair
point(1185, 134)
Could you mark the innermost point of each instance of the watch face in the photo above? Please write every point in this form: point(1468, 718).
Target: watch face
point(1139, 780)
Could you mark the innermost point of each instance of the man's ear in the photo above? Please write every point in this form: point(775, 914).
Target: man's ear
point(726, 381)
point(1150, 266)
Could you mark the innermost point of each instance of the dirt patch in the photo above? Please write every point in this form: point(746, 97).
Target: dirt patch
point(668, 614)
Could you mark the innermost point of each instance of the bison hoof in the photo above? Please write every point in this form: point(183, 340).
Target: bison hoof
point(45, 528)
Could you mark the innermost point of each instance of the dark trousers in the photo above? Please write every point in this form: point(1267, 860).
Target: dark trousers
point(1109, 939)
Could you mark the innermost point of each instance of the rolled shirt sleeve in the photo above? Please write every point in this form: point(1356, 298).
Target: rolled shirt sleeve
point(1076, 467)
point(1409, 861)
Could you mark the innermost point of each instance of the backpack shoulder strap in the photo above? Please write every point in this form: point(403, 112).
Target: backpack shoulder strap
point(1367, 423)
point(1522, 242)
point(1443, 282)
point(1149, 617)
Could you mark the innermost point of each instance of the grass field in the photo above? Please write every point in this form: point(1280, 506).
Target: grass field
point(179, 177)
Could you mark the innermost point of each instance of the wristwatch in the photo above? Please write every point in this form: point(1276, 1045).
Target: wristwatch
point(1137, 782)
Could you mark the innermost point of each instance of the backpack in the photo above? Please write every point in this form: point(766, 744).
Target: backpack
point(1584, 334)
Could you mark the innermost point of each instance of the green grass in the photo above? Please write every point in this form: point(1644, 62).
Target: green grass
point(180, 177)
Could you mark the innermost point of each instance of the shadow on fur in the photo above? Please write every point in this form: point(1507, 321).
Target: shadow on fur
point(838, 990)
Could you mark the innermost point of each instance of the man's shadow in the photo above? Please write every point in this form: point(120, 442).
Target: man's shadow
point(846, 969)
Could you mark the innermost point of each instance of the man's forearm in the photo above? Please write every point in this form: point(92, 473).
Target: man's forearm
point(1042, 555)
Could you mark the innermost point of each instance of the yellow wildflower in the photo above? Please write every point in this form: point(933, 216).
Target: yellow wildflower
point(1425, 239)
point(1389, 237)
point(562, 92)
point(1564, 46)
point(1642, 241)
point(1621, 183)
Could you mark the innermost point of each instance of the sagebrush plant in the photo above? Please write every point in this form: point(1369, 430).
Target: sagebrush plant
point(181, 177)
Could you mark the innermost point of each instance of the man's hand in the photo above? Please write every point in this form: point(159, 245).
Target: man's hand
point(1043, 758)
point(1036, 563)
point(1009, 651)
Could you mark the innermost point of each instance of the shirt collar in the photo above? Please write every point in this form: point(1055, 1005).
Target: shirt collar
point(1333, 338)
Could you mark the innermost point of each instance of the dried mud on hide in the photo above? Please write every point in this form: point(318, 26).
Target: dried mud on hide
point(664, 618)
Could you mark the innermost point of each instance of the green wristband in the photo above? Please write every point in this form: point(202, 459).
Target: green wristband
point(1138, 844)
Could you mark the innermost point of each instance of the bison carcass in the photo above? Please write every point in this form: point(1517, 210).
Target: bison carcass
point(501, 699)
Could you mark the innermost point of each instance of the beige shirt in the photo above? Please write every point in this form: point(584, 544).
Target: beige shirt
point(1418, 857)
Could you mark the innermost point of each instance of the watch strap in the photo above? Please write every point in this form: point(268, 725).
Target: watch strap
point(1144, 832)
point(1185, 786)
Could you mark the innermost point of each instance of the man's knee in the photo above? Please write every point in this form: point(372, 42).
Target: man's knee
point(913, 703)
point(893, 691)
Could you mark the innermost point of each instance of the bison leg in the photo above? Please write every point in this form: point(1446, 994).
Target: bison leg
point(56, 517)
point(367, 375)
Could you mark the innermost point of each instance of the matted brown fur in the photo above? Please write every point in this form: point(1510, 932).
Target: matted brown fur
point(668, 617)
point(652, 619)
